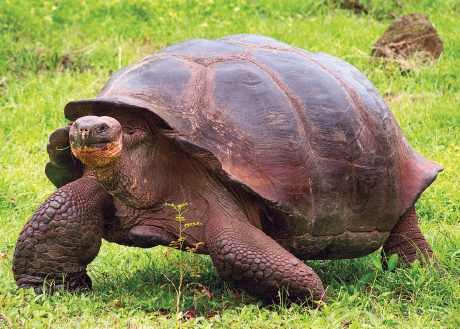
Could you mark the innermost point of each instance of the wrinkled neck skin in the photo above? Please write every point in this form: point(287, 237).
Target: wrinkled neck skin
point(153, 171)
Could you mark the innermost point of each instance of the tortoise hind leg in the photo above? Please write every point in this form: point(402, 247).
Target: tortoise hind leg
point(247, 257)
point(406, 240)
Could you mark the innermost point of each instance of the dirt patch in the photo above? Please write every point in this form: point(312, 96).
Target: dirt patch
point(411, 41)
point(354, 5)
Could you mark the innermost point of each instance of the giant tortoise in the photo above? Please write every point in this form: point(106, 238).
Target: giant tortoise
point(283, 154)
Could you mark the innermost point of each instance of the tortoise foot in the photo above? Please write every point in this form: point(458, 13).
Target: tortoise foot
point(62, 238)
point(72, 282)
point(406, 240)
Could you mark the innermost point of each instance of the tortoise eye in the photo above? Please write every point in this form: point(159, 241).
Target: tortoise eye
point(101, 129)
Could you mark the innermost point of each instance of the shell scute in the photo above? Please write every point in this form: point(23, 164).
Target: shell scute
point(162, 81)
point(370, 178)
point(332, 187)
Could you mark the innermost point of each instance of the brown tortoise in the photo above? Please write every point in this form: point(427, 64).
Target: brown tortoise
point(284, 154)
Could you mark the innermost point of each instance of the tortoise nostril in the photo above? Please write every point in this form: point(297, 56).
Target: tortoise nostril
point(83, 131)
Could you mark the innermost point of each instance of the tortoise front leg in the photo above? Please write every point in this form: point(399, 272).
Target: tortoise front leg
point(247, 257)
point(62, 237)
point(406, 240)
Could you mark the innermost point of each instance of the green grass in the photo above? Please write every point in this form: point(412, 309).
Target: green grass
point(57, 51)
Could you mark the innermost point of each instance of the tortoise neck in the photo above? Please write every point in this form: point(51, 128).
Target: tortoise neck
point(107, 175)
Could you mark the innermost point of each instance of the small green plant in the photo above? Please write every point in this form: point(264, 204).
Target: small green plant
point(390, 266)
point(182, 262)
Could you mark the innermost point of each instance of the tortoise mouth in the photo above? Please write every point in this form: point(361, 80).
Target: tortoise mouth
point(97, 154)
point(91, 148)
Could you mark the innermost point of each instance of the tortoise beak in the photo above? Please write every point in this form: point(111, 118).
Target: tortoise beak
point(93, 133)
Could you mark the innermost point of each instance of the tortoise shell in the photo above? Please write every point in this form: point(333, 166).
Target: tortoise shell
point(307, 134)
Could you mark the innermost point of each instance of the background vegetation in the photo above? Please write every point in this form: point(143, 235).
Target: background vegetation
point(52, 52)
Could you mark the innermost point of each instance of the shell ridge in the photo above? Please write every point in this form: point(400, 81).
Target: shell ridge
point(293, 100)
point(266, 46)
point(296, 105)
point(197, 88)
point(133, 67)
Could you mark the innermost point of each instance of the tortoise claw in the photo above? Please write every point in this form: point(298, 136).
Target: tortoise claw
point(76, 283)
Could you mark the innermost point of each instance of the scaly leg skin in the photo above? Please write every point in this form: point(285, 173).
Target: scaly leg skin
point(62, 237)
point(248, 258)
point(407, 241)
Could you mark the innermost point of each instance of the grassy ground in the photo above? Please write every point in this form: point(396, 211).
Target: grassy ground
point(56, 51)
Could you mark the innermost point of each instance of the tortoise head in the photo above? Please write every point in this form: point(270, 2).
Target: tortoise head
point(96, 141)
